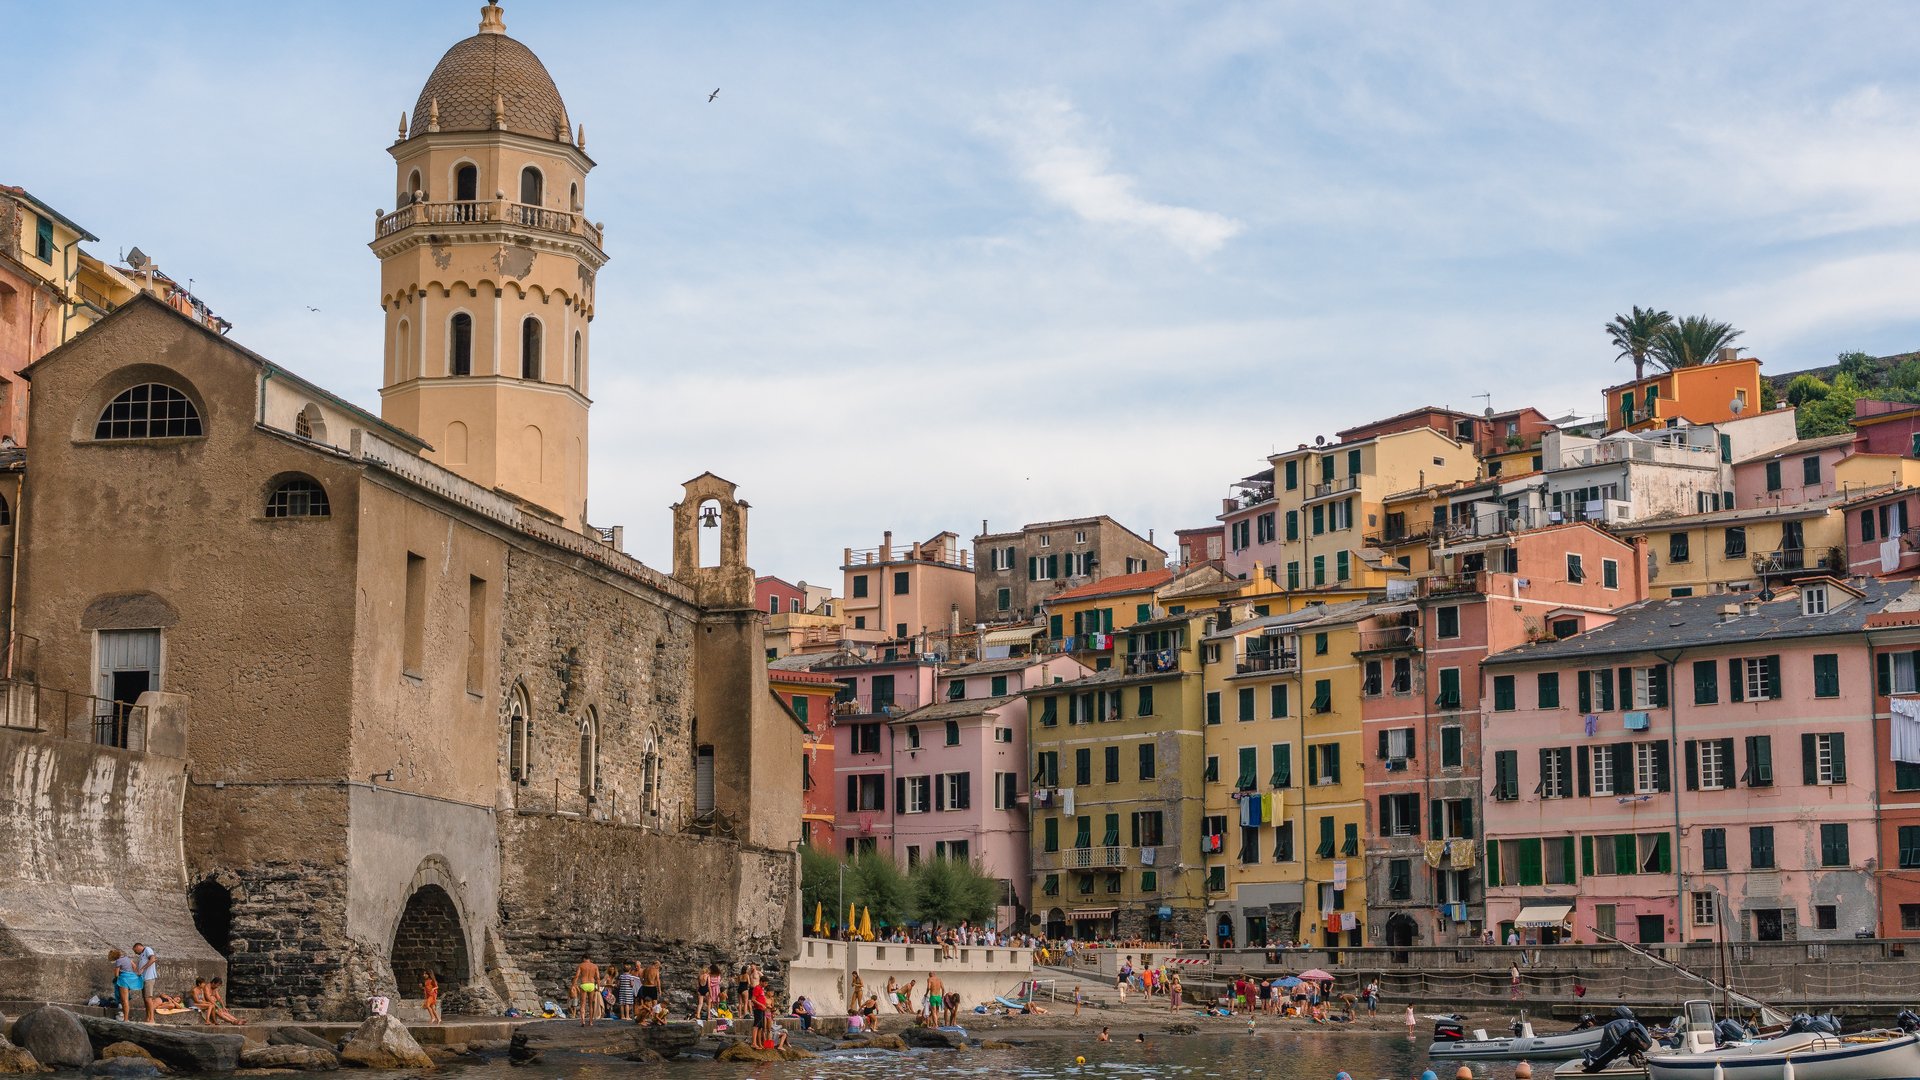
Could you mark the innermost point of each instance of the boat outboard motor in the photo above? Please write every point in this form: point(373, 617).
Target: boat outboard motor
point(1621, 1012)
point(1617, 1038)
point(1907, 1020)
point(1449, 1028)
point(1803, 1024)
point(1730, 1030)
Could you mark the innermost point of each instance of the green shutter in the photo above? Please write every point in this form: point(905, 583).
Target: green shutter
point(1246, 703)
point(1282, 765)
point(1493, 862)
point(1586, 856)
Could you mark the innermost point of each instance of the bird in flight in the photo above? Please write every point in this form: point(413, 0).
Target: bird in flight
point(715, 94)
point(310, 307)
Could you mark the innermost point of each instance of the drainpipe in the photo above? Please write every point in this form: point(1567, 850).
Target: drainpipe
point(1682, 908)
point(66, 275)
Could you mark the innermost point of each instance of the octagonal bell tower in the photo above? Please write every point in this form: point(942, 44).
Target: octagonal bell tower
point(487, 275)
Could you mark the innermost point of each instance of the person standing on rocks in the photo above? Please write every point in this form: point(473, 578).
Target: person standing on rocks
point(149, 967)
point(586, 991)
point(126, 979)
point(650, 990)
point(936, 998)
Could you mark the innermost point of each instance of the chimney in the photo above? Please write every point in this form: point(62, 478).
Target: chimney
point(983, 526)
point(1641, 557)
point(1149, 536)
point(886, 546)
point(1729, 612)
point(1728, 352)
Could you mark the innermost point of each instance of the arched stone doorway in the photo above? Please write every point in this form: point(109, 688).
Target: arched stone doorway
point(429, 937)
point(212, 905)
point(1401, 932)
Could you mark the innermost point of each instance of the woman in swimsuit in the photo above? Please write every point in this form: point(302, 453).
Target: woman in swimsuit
point(430, 989)
point(125, 980)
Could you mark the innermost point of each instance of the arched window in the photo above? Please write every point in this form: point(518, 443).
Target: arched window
point(466, 183)
point(590, 755)
point(650, 775)
point(300, 497)
point(530, 186)
point(579, 354)
point(573, 197)
point(519, 737)
point(530, 348)
point(309, 424)
point(460, 345)
point(6, 512)
point(403, 351)
point(414, 190)
point(148, 411)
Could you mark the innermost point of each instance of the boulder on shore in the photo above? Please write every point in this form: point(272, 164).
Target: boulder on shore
point(15, 1061)
point(185, 1049)
point(309, 1058)
point(297, 1036)
point(383, 1042)
point(55, 1038)
point(745, 1052)
point(934, 1039)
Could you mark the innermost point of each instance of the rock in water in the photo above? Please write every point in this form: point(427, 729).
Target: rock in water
point(124, 1068)
point(310, 1058)
point(934, 1039)
point(519, 1053)
point(383, 1042)
point(185, 1049)
point(743, 1052)
point(125, 1050)
point(297, 1036)
point(55, 1037)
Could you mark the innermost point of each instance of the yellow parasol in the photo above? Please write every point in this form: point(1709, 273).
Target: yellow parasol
point(866, 925)
point(817, 924)
point(850, 920)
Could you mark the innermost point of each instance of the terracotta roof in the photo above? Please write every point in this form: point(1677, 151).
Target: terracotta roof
point(1803, 446)
point(473, 72)
point(1123, 583)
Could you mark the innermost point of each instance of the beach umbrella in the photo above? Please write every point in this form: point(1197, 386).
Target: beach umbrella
point(818, 911)
point(1288, 983)
point(851, 921)
point(1316, 975)
point(866, 924)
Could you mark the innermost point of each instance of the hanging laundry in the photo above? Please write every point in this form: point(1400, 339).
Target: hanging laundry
point(1349, 921)
point(1333, 922)
point(1906, 729)
point(1266, 807)
point(1639, 721)
point(1066, 801)
point(1593, 725)
point(1889, 555)
point(1435, 849)
point(1461, 852)
point(1249, 813)
point(1147, 855)
point(1340, 874)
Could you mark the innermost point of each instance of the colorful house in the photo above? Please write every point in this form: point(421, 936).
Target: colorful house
point(869, 695)
point(959, 771)
point(1680, 770)
point(809, 696)
point(1743, 550)
point(1727, 388)
point(1894, 635)
point(1886, 427)
point(1085, 620)
point(1017, 572)
point(1420, 707)
point(909, 593)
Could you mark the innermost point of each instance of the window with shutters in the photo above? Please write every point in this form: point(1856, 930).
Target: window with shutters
point(1372, 680)
point(1910, 847)
point(1602, 767)
point(1644, 774)
point(1826, 675)
point(1609, 574)
point(1400, 814)
point(1399, 879)
point(1503, 693)
point(1246, 703)
point(1679, 547)
point(1323, 695)
point(1706, 682)
point(915, 794)
point(1396, 744)
point(1213, 707)
point(1899, 673)
point(1447, 622)
point(1277, 700)
point(1049, 712)
point(1712, 765)
point(1655, 853)
point(1083, 766)
point(1758, 679)
point(1449, 696)
point(1760, 847)
point(1350, 839)
point(868, 792)
point(860, 585)
point(1759, 768)
point(1906, 776)
point(1249, 844)
point(1111, 759)
point(1402, 675)
point(1547, 690)
point(1506, 775)
point(1713, 849)
point(1834, 850)
point(1556, 772)
point(1450, 746)
point(1828, 762)
point(1144, 702)
point(1576, 571)
point(1323, 763)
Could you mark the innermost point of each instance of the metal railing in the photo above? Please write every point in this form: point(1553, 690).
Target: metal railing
point(1255, 662)
point(1389, 637)
point(1094, 858)
point(1149, 663)
point(1335, 487)
point(26, 706)
point(1796, 560)
point(1448, 584)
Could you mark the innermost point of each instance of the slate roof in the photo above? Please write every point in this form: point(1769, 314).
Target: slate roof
point(1696, 621)
point(993, 667)
point(476, 69)
point(1803, 446)
point(1803, 509)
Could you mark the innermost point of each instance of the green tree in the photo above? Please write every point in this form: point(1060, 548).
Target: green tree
point(1633, 335)
point(1806, 388)
point(1906, 376)
point(950, 891)
point(1831, 414)
point(1857, 364)
point(874, 882)
point(820, 885)
point(1692, 341)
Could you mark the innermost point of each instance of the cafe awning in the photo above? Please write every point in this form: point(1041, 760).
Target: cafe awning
point(1018, 636)
point(1543, 915)
point(1091, 913)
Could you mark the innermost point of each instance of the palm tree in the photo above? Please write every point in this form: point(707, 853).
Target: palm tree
point(1692, 341)
point(1633, 335)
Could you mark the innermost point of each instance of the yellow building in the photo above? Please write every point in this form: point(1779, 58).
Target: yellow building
point(1332, 500)
point(1114, 805)
point(1285, 810)
point(487, 273)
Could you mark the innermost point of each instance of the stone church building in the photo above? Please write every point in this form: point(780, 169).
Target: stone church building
point(421, 715)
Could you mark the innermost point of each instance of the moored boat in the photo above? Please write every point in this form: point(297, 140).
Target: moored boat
point(1803, 1056)
point(1450, 1042)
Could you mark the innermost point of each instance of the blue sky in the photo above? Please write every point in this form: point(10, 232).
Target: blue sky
point(922, 264)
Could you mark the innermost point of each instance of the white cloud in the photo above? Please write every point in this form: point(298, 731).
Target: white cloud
point(1055, 153)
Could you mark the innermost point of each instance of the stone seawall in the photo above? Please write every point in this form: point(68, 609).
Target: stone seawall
point(90, 839)
point(573, 888)
point(824, 968)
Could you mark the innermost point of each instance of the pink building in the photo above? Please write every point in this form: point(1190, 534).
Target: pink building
point(1249, 518)
point(1886, 427)
point(871, 695)
point(777, 596)
point(1420, 709)
point(911, 592)
point(959, 781)
point(1684, 766)
point(1792, 473)
point(1879, 540)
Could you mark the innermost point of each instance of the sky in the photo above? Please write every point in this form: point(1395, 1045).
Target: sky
point(924, 264)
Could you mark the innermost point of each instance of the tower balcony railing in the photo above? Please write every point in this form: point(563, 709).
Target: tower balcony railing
point(486, 211)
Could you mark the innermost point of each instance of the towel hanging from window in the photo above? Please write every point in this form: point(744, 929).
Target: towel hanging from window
point(1906, 729)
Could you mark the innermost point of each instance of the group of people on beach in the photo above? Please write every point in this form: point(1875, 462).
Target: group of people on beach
point(628, 991)
point(138, 972)
point(1149, 980)
point(935, 1006)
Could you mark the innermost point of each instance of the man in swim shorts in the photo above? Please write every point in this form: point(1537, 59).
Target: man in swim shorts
point(586, 989)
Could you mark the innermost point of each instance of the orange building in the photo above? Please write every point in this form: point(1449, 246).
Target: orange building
point(1707, 394)
point(808, 695)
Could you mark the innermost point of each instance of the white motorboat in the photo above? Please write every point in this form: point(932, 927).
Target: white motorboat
point(1451, 1044)
point(1798, 1057)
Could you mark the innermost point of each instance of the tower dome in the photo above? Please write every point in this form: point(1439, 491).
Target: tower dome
point(487, 70)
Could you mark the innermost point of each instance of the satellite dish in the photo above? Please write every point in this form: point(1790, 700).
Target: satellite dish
point(136, 258)
point(1489, 412)
point(1737, 406)
point(1319, 440)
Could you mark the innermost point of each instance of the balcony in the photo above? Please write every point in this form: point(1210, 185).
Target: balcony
point(1268, 661)
point(863, 705)
point(1642, 451)
point(1449, 584)
point(487, 212)
point(1153, 663)
point(1796, 562)
point(1095, 858)
point(1334, 487)
point(1389, 638)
